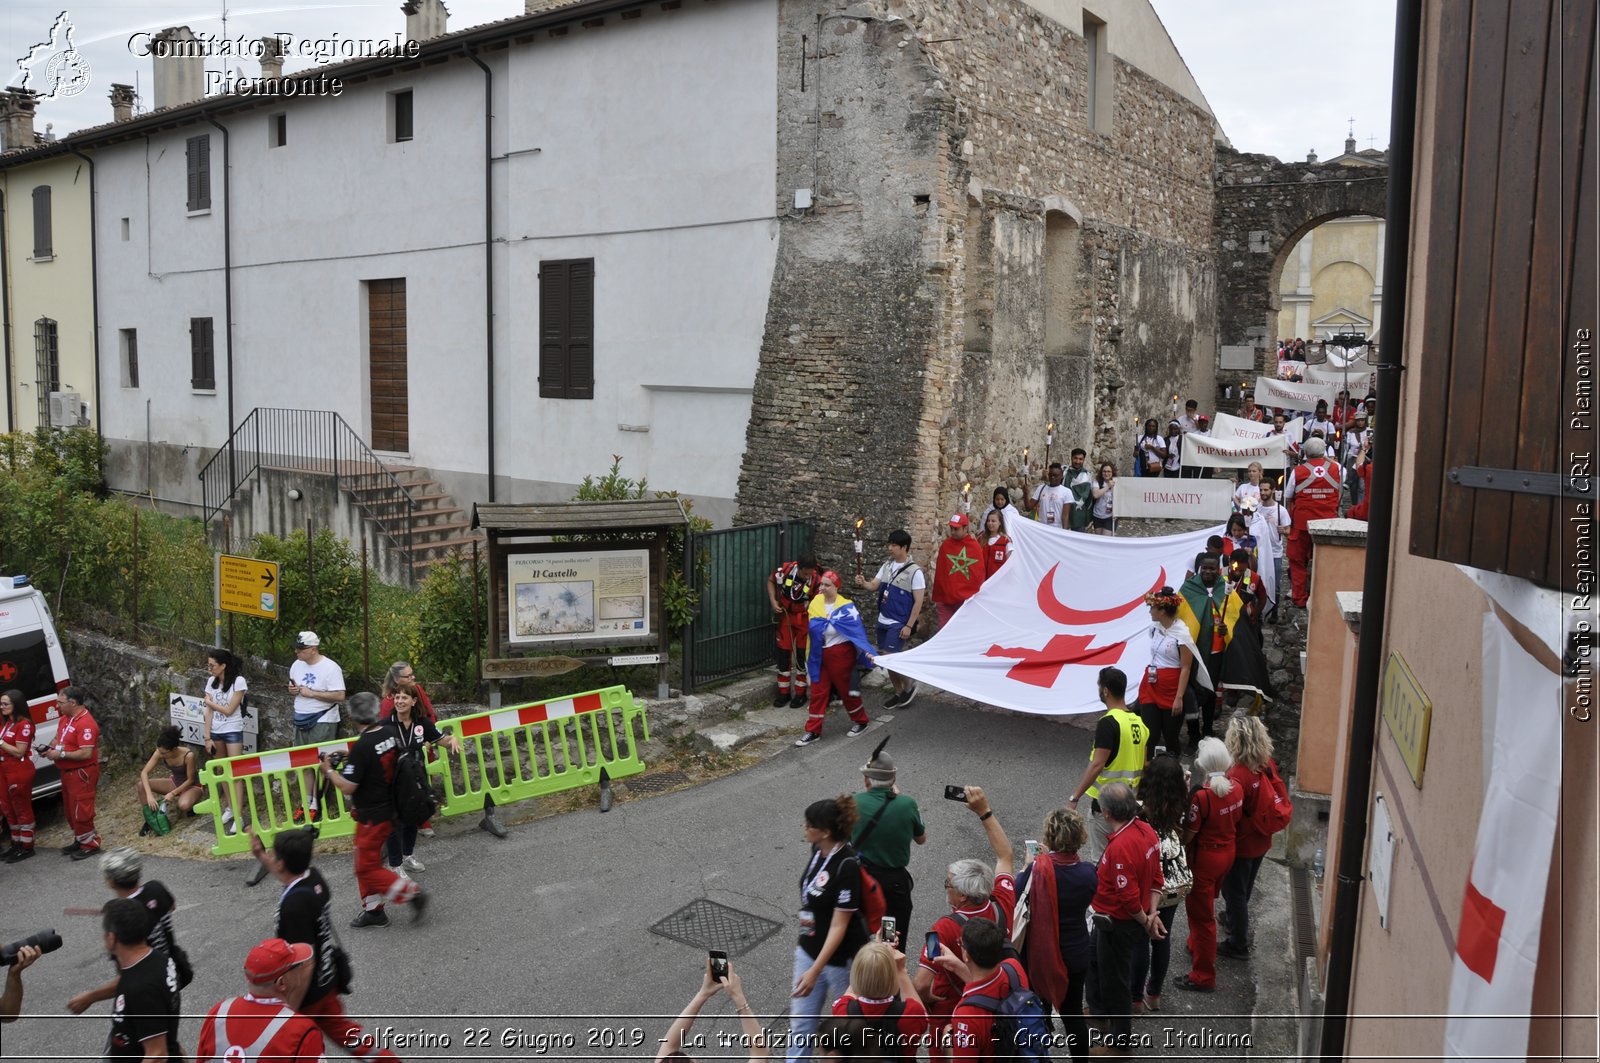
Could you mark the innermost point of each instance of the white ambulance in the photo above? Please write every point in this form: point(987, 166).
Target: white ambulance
point(31, 661)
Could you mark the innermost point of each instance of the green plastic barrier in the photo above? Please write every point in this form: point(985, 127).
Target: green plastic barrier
point(507, 754)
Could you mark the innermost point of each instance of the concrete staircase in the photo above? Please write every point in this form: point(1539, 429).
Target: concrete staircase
point(439, 526)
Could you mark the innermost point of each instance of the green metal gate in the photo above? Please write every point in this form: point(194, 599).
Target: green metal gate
point(734, 631)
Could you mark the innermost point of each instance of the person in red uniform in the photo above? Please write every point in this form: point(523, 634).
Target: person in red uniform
point(990, 976)
point(1125, 913)
point(958, 569)
point(264, 1023)
point(1252, 772)
point(304, 918)
point(973, 891)
point(76, 754)
point(789, 591)
point(16, 773)
point(1312, 494)
point(366, 777)
point(882, 991)
point(1210, 833)
point(997, 545)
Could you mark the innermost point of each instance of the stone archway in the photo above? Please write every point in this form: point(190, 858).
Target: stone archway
point(1263, 208)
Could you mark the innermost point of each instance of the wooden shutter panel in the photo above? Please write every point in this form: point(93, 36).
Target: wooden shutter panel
point(202, 357)
point(42, 238)
point(580, 329)
point(200, 172)
point(552, 330)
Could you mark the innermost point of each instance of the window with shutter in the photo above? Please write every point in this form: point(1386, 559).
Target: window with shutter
point(566, 329)
point(43, 240)
point(1508, 274)
point(47, 365)
point(400, 116)
point(202, 355)
point(199, 156)
point(130, 358)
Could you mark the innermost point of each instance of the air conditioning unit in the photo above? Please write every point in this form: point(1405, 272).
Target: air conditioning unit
point(67, 410)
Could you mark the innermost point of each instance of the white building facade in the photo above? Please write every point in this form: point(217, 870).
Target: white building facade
point(344, 236)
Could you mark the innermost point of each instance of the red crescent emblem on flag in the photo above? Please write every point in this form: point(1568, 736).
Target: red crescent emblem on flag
point(1067, 616)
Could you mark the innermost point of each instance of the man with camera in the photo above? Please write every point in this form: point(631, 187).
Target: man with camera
point(366, 777)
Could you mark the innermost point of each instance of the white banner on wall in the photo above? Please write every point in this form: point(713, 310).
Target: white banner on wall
point(1291, 395)
point(590, 594)
point(1173, 499)
point(1206, 451)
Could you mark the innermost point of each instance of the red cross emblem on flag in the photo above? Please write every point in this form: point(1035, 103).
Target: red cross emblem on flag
point(1042, 667)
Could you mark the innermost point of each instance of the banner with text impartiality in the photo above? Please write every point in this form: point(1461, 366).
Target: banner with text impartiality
point(1205, 451)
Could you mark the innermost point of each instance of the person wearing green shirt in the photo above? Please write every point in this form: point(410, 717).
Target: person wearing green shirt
point(887, 822)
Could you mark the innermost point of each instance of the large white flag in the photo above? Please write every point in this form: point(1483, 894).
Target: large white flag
point(1497, 941)
point(1065, 605)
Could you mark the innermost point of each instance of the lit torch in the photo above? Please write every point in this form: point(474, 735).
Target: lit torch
point(1049, 438)
point(859, 522)
point(966, 498)
point(1023, 469)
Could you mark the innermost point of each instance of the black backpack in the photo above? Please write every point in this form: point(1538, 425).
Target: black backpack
point(1021, 1028)
point(885, 1028)
point(414, 802)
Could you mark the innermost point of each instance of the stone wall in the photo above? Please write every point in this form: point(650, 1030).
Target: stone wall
point(909, 345)
point(1263, 208)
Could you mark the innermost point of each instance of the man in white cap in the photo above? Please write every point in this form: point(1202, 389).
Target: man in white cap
point(264, 1023)
point(317, 683)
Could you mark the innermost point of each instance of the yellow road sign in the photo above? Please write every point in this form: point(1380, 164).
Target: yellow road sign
point(247, 586)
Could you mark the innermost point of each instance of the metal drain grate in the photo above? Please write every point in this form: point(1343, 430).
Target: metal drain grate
point(1302, 889)
point(704, 924)
point(654, 784)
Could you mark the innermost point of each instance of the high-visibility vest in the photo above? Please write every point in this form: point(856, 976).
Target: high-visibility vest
point(1127, 764)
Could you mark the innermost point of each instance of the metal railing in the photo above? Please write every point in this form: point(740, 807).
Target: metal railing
point(320, 443)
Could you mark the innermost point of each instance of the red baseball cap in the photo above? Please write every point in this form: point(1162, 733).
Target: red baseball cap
point(959, 521)
point(273, 958)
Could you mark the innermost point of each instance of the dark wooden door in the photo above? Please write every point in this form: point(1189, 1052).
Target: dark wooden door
point(386, 343)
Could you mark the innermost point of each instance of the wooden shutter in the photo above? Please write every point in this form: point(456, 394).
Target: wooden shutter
point(43, 241)
point(199, 156)
point(404, 115)
point(386, 365)
point(566, 329)
point(131, 342)
point(202, 355)
point(1509, 281)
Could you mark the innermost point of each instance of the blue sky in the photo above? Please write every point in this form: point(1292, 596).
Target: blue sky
point(1283, 77)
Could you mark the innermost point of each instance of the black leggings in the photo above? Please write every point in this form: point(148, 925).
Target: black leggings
point(1073, 1023)
point(1166, 727)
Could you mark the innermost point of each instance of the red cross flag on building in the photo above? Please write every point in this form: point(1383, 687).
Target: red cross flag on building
point(1497, 941)
point(1065, 605)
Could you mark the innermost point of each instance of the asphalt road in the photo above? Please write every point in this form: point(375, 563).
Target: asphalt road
point(539, 946)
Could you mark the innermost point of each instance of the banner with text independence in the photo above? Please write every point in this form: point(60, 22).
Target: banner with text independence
point(1293, 395)
point(1065, 605)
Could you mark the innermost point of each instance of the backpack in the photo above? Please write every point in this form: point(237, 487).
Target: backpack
point(414, 802)
point(873, 903)
point(1021, 1028)
point(885, 1028)
point(1273, 807)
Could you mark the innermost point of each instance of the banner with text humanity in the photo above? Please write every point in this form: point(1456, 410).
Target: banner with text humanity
point(1173, 499)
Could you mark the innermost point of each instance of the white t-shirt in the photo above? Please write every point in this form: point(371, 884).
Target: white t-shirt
point(1102, 505)
point(1052, 502)
point(324, 675)
point(1276, 516)
point(1246, 490)
point(1175, 453)
point(1151, 445)
point(222, 723)
point(830, 634)
point(1164, 646)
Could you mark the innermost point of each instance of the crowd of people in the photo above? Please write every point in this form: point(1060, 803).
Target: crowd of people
point(1078, 933)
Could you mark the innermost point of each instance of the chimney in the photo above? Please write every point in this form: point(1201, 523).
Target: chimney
point(271, 58)
point(180, 67)
point(16, 119)
point(425, 19)
point(121, 102)
point(1311, 156)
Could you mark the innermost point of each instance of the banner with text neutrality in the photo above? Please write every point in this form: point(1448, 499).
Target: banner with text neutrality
point(1204, 451)
point(1173, 499)
point(1293, 395)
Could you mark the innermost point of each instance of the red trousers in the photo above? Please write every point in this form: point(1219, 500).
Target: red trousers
point(837, 662)
point(794, 631)
point(378, 885)
point(77, 798)
point(1210, 867)
point(342, 1031)
point(1299, 555)
point(16, 800)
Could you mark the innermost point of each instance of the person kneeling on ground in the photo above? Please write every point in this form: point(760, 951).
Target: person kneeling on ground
point(180, 791)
